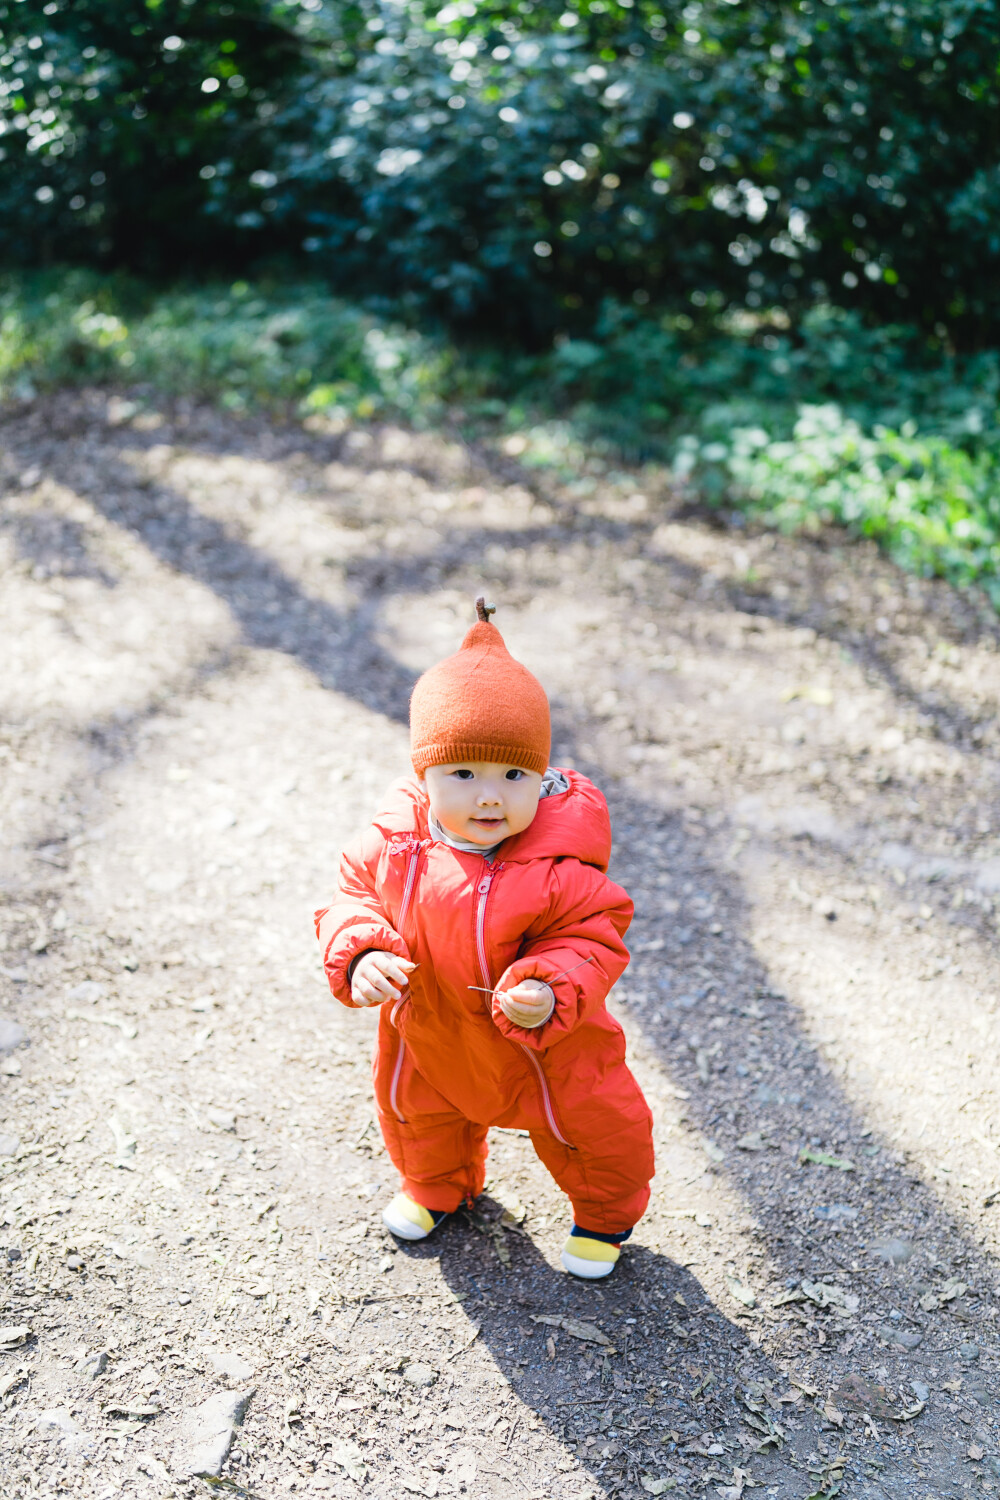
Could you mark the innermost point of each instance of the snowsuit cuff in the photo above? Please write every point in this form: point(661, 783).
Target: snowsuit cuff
point(550, 972)
point(339, 960)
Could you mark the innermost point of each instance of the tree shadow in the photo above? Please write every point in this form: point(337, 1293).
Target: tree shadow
point(876, 1232)
point(694, 991)
point(759, 1093)
point(872, 651)
point(54, 546)
point(341, 646)
point(638, 1377)
point(273, 611)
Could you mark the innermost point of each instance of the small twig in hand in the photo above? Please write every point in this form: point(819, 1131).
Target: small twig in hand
point(572, 970)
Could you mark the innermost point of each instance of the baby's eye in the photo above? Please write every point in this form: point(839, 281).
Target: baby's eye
point(464, 774)
point(514, 775)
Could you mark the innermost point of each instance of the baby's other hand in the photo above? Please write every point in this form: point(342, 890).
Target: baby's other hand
point(528, 1004)
point(376, 976)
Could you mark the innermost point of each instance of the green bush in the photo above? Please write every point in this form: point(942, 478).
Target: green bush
point(934, 506)
point(229, 344)
point(647, 378)
point(510, 165)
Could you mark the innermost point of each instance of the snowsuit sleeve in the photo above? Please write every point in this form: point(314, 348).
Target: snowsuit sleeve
point(582, 930)
point(355, 921)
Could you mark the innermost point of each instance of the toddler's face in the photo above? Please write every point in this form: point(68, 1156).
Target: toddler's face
point(482, 800)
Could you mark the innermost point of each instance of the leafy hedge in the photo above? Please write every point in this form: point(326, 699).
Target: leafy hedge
point(294, 348)
point(845, 426)
point(514, 163)
point(933, 505)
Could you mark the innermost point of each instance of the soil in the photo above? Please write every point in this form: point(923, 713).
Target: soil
point(210, 628)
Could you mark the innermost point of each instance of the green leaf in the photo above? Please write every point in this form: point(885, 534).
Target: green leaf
point(825, 1159)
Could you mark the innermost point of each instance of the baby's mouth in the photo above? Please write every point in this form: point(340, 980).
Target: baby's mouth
point(488, 822)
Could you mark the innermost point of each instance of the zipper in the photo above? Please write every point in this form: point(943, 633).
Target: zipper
point(404, 910)
point(546, 1096)
point(394, 1085)
point(408, 884)
point(483, 891)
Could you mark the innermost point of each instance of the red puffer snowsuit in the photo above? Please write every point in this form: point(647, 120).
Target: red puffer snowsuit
point(449, 1064)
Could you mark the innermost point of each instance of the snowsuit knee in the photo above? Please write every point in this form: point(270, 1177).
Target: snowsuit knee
point(449, 1064)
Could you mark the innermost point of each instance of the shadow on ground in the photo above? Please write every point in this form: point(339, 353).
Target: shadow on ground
point(677, 1384)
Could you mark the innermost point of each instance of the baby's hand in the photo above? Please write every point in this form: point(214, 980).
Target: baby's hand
point(528, 1004)
point(376, 975)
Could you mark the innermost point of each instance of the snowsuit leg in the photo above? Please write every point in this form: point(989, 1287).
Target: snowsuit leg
point(439, 1154)
point(608, 1188)
point(605, 1161)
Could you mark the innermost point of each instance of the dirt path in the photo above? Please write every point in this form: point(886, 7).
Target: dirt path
point(209, 632)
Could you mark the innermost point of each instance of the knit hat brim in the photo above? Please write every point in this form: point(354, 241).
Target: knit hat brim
point(460, 752)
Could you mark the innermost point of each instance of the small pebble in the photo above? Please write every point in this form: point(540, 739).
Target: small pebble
point(900, 1338)
point(227, 1362)
point(57, 1420)
point(969, 1352)
point(895, 1251)
point(836, 1212)
point(184, 1298)
point(419, 1375)
point(88, 992)
point(74, 1262)
point(93, 1365)
point(11, 1035)
point(920, 1390)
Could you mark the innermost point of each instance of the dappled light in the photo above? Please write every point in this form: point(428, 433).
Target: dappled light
point(666, 337)
point(803, 813)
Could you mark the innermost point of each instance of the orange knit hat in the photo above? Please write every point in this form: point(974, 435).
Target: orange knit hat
point(480, 704)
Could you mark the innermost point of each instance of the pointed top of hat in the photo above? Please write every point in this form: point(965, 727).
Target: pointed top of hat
point(480, 704)
point(484, 635)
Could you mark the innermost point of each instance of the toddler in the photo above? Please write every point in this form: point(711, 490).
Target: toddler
point(477, 913)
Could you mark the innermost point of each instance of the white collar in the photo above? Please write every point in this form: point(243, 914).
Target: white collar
point(465, 846)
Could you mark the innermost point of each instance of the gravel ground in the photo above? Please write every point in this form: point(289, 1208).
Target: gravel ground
point(210, 629)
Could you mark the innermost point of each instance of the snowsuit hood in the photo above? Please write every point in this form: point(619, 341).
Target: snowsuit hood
point(574, 823)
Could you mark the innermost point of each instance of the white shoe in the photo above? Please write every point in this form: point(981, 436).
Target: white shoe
point(589, 1259)
point(408, 1220)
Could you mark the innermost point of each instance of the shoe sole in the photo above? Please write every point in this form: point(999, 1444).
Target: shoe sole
point(405, 1229)
point(587, 1270)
